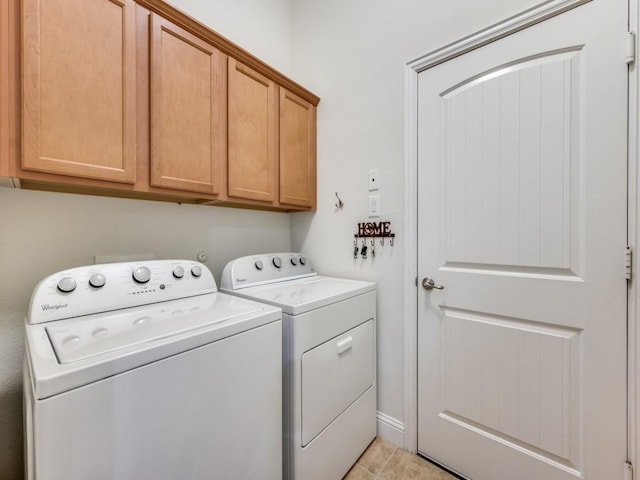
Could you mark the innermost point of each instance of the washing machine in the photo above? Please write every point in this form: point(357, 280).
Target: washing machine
point(144, 370)
point(329, 359)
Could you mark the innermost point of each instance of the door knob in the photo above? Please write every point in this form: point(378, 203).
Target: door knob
point(429, 284)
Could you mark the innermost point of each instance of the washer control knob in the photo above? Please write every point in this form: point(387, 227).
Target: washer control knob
point(294, 261)
point(67, 285)
point(97, 280)
point(178, 272)
point(196, 270)
point(141, 274)
point(303, 261)
point(259, 264)
point(277, 262)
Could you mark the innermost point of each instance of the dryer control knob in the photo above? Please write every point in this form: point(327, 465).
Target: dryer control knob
point(259, 264)
point(141, 274)
point(196, 271)
point(97, 280)
point(303, 261)
point(178, 272)
point(277, 262)
point(67, 285)
point(294, 261)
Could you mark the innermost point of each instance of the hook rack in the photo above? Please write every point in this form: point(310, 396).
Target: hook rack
point(372, 230)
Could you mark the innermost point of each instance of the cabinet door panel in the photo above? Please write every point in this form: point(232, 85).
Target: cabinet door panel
point(253, 134)
point(5, 45)
point(297, 150)
point(79, 88)
point(188, 88)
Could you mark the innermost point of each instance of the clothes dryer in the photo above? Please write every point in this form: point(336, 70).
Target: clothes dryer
point(329, 359)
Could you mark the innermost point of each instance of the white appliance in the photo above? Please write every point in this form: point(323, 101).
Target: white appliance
point(144, 371)
point(329, 359)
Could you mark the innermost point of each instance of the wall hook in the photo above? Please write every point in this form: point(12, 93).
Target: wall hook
point(340, 204)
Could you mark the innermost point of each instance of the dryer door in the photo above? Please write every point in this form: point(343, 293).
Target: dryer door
point(334, 375)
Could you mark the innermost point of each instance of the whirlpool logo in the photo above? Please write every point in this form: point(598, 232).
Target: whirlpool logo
point(47, 306)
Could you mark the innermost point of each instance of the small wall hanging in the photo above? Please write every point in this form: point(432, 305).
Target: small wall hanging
point(371, 230)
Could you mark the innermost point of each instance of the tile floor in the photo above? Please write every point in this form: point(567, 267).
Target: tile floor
point(384, 461)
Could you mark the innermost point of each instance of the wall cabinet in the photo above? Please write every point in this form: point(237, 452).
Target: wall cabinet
point(188, 110)
point(253, 134)
point(133, 98)
point(272, 141)
point(4, 87)
point(78, 90)
point(297, 150)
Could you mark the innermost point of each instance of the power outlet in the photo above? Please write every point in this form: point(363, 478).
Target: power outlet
point(374, 179)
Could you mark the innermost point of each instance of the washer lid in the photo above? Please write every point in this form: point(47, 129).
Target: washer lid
point(84, 337)
point(169, 328)
point(302, 295)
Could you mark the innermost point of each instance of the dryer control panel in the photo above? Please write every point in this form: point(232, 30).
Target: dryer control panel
point(262, 269)
point(102, 288)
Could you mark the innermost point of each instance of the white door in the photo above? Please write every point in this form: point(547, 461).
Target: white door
point(522, 218)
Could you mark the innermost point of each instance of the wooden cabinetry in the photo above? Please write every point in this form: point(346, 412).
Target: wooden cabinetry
point(253, 134)
point(4, 88)
point(188, 110)
point(133, 98)
point(272, 141)
point(78, 90)
point(297, 150)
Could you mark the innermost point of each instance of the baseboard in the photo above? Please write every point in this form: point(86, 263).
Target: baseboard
point(390, 429)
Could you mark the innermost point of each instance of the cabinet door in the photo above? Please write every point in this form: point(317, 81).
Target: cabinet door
point(297, 150)
point(79, 88)
point(188, 108)
point(5, 44)
point(253, 134)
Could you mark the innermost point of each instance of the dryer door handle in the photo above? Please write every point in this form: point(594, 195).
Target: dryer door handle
point(344, 344)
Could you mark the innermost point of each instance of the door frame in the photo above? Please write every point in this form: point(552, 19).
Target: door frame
point(511, 25)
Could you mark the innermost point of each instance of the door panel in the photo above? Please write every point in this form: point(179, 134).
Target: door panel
point(508, 155)
point(79, 88)
point(297, 150)
point(188, 109)
point(522, 217)
point(253, 134)
point(492, 363)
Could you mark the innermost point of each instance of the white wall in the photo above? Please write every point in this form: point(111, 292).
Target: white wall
point(349, 52)
point(261, 27)
point(352, 53)
point(43, 232)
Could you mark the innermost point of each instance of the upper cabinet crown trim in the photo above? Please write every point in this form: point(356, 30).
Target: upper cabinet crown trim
point(226, 46)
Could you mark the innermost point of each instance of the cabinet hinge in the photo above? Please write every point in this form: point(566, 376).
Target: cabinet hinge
point(628, 471)
point(627, 262)
point(631, 48)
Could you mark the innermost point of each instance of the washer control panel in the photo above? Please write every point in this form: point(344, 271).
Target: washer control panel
point(101, 288)
point(265, 268)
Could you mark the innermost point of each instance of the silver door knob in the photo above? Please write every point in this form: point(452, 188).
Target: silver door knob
point(429, 284)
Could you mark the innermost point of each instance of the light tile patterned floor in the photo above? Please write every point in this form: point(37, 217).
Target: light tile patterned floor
point(384, 461)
